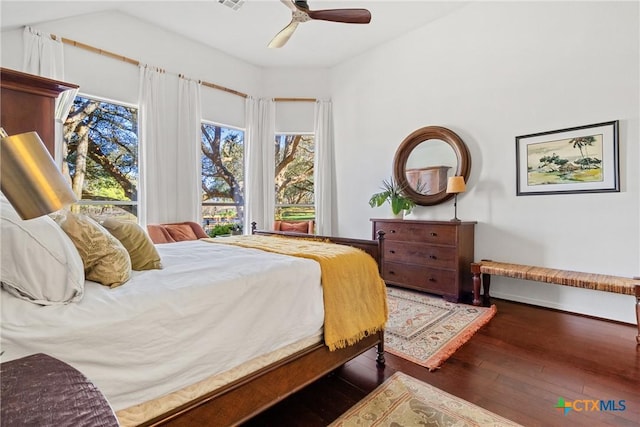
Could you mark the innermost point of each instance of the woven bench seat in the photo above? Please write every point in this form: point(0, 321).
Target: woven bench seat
point(482, 272)
point(598, 282)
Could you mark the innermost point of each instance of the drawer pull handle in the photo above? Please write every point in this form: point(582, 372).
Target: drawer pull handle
point(393, 231)
point(434, 234)
point(392, 251)
point(433, 257)
point(392, 272)
point(431, 279)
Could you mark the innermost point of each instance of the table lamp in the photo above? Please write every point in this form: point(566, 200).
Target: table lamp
point(455, 185)
point(29, 177)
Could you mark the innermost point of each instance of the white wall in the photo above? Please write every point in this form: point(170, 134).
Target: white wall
point(492, 71)
point(106, 77)
point(295, 83)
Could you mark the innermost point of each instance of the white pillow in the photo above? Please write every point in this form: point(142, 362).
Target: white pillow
point(39, 263)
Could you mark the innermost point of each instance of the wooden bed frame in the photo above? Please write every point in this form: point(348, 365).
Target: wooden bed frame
point(246, 397)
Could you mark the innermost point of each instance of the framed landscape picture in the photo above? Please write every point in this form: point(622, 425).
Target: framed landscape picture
point(581, 159)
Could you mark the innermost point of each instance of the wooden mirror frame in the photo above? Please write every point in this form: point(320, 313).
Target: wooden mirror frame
point(411, 142)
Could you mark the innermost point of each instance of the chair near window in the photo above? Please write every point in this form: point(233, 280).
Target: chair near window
point(305, 227)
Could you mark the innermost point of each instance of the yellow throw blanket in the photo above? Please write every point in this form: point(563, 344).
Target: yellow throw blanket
point(355, 298)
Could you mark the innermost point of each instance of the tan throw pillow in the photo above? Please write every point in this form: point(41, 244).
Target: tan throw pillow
point(181, 232)
point(105, 260)
point(143, 254)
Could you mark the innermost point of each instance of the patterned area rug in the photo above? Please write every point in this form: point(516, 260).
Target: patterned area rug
point(427, 329)
point(405, 401)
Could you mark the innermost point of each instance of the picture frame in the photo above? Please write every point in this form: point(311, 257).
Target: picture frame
point(582, 159)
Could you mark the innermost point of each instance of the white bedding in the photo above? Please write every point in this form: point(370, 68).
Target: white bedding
point(210, 308)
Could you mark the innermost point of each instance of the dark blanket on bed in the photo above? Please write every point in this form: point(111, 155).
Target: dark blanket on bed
point(39, 390)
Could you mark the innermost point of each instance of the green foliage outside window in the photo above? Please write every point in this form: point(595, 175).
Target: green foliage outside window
point(223, 177)
point(226, 229)
point(101, 153)
point(294, 157)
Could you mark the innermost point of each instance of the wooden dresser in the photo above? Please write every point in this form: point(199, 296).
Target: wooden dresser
point(430, 256)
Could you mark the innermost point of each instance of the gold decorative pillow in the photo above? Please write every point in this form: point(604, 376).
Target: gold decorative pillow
point(143, 254)
point(105, 260)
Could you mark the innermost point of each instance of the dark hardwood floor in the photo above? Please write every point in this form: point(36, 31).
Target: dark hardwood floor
point(517, 366)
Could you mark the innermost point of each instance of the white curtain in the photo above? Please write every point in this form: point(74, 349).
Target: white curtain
point(324, 170)
point(44, 57)
point(155, 177)
point(189, 167)
point(259, 163)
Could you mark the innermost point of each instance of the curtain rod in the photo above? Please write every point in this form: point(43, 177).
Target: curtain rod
point(222, 88)
point(134, 62)
point(295, 99)
point(137, 63)
point(96, 50)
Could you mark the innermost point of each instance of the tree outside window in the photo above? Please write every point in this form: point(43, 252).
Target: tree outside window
point(222, 152)
point(101, 153)
point(294, 156)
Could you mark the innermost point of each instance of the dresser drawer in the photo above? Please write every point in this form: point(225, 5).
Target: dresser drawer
point(419, 253)
point(430, 256)
point(417, 232)
point(433, 280)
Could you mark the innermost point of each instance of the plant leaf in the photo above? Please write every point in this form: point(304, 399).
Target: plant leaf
point(393, 193)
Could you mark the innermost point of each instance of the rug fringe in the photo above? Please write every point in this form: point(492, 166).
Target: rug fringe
point(438, 359)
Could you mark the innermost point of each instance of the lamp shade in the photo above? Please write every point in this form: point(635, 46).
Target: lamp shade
point(29, 177)
point(455, 184)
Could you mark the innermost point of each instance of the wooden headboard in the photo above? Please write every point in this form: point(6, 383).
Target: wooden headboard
point(28, 104)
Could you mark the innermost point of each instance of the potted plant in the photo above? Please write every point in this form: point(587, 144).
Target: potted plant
point(392, 193)
point(226, 229)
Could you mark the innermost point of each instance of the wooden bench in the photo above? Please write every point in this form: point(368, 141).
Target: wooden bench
point(483, 270)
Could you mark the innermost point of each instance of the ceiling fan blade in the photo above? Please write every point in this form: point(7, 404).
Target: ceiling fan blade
point(349, 16)
point(283, 36)
point(289, 4)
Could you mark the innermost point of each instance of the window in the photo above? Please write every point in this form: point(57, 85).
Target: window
point(294, 176)
point(222, 179)
point(101, 153)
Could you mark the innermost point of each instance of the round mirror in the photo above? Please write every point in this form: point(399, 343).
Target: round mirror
point(426, 159)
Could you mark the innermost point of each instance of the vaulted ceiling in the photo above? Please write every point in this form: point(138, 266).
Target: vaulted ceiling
point(246, 32)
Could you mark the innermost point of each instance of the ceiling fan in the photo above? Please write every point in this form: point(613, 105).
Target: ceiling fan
point(300, 12)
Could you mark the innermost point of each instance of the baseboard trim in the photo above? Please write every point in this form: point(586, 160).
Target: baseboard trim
point(558, 307)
